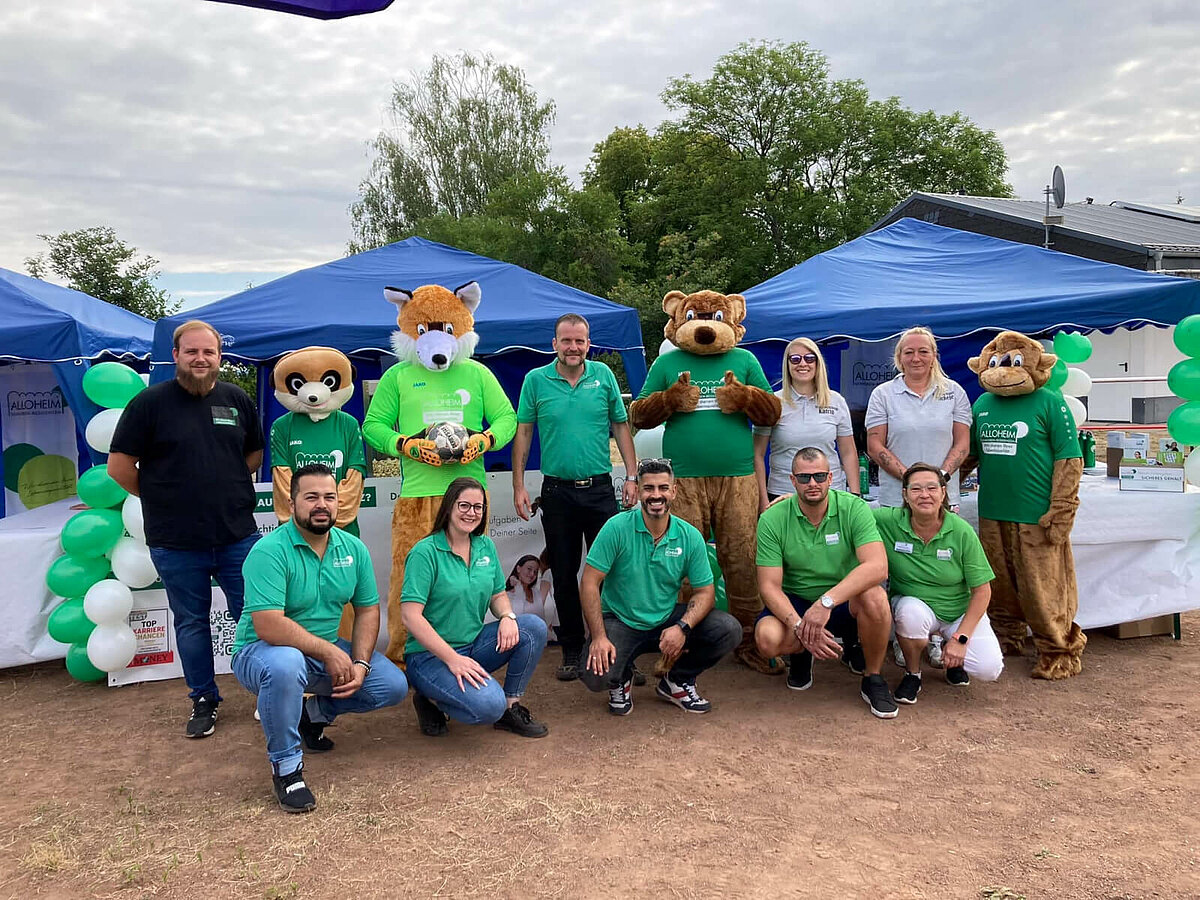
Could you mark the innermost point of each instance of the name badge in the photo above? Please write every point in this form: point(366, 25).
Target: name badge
point(945, 554)
point(223, 415)
point(831, 539)
point(673, 551)
point(903, 547)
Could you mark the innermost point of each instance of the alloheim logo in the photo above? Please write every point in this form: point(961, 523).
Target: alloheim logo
point(36, 403)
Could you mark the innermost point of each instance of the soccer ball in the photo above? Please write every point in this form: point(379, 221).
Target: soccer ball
point(450, 438)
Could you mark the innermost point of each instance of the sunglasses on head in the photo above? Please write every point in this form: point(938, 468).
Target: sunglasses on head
point(654, 462)
point(806, 477)
point(796, 358)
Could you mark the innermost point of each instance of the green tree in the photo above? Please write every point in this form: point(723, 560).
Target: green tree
point(460, 130)
point(95, 261)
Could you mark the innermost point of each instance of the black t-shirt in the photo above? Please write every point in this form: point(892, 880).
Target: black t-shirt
point(196, 490)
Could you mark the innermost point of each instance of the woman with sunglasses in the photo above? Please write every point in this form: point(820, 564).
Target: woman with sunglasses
point(940, 583)
point(451, 578)
point(813, 416)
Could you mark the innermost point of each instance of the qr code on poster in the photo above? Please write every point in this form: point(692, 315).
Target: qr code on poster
point(223, 631)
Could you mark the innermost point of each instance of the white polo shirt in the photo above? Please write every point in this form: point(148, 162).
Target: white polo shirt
point(804, 424)
point(919, 429)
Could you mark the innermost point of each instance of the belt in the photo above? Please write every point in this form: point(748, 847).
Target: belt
point(578, 483)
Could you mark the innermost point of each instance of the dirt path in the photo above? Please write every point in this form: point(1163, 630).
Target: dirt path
point(1084, 789)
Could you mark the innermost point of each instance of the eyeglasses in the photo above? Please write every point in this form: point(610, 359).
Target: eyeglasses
point(806, 477)
point(923, 488)
point(464, 507)
point(796, 358)
point(654, 462)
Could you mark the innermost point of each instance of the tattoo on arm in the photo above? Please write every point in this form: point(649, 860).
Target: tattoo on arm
point(954, 460)
point(890, 463)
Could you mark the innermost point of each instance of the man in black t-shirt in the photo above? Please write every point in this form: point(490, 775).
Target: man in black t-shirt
point(188, 447)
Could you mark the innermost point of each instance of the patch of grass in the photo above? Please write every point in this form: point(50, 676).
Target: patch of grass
point(1000, 893)
point(1045, 854)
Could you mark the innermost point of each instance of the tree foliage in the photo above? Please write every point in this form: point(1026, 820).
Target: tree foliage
point(95, 261)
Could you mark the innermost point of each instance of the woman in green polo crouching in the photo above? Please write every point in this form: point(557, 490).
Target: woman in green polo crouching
point(940, 582)
point(451, 578)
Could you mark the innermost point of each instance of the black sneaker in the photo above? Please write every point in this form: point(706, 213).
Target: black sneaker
point(908, 688)
point(293, 794)
point(683, 694)
point(957, 676)
point(313, 733)
point(203, 720)
point(569, 670)
point(518, 720)
point(875, 692)
point(432, 720)
point(854, 660)
point(639, 677)
point(799, 677)
point(620, 698)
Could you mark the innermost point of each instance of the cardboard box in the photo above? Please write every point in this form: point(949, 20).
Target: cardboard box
point(1143, 627)
point(1136, 448)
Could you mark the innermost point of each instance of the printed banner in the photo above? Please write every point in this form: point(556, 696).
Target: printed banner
point(40, 455)
point(865, 366)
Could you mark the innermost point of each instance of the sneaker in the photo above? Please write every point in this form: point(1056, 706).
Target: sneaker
point(313, 733)
point(934, 651)
point(875, 692)
point(639, 677)
point(518, 720)
point(853, 659)
point(684, 695)
point(203, 720)
point(898, 654)
point(569, 670)
point(620, 699)
point(293, 794)
point(908, 688)
point(800, 671)
point(432, 721)
point(957, 676)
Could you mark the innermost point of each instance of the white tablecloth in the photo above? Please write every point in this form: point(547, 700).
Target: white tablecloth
point(1137, 554)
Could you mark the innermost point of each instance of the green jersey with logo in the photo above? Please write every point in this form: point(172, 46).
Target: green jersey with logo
point(1017, 441)
point(335, 441)
point(707, 441)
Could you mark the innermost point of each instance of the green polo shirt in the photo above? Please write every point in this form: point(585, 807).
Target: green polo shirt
point(455, 595)
point(814, 559)
point(282, 572)
point(942, 572)
point(642, 578)
point(572, 422)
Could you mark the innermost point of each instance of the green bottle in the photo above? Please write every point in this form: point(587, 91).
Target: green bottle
point(864, 475)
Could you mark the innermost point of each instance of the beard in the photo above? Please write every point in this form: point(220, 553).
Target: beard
point(194, 384)
point(317, 528)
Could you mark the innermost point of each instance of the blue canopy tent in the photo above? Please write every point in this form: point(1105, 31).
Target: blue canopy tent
point(340, 304)
point(43, 322)
point(965, 287)
point(316, 9)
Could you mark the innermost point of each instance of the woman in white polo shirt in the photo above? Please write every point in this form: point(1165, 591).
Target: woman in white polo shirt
point(813, 416)
point(918, 416)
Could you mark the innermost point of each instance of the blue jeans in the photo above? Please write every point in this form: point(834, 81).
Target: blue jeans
point(187, 577)
point(279, 676)
point(431, 677)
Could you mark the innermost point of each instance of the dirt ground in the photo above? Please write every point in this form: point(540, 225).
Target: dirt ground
point(1079, 789)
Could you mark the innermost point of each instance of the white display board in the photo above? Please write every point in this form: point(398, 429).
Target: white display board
point(38, 438)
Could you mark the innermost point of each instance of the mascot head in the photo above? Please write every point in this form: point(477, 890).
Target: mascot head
point(1012, 364)
point(705, 322)
point(436, 325)
point(314, 381)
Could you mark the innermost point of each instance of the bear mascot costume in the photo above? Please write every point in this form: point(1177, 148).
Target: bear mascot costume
point(434, 383)
point(708, 393)
point(1025, 443)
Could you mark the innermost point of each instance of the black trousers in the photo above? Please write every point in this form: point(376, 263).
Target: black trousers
point(570, 516)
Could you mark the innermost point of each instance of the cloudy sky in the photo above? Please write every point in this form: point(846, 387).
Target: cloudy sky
point(228, 142)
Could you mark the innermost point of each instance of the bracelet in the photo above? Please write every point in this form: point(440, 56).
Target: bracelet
point(634, 477)
point(362, 662)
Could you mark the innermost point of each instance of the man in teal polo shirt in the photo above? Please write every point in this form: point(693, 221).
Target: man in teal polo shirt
point(820, 564)
point(629, 591)
point(573, 401)
point(298, 578)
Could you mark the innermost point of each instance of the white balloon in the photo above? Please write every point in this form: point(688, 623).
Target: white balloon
point(145, 376)
point(1078, 410)
point(1191, 468)
point(131, 515)
point(1078, 383)
point(108, 602)
point(111, 647)
point(132, 565)
point(666, 347)
point(99, 431)
point(648, 442)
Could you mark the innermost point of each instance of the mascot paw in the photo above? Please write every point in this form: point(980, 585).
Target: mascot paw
point(1056, 666)
point(421, 450)
point(682, 396)
point(732, 396)
point(749, 657)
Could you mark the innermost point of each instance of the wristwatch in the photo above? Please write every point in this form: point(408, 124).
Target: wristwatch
point(631, 478)
point(961, 638)
point(362, 662)
point(685, 628)
point(826, 601)
point(510, 615)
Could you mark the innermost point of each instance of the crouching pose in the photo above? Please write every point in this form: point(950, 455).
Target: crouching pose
point(451, 578)
point(940, 582)
point(630, 592)
point(298, 578)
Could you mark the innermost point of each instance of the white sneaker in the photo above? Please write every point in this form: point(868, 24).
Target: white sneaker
point(935, 651)
point(897, 654)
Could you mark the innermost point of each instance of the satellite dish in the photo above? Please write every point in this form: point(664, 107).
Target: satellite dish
point(1059, 187)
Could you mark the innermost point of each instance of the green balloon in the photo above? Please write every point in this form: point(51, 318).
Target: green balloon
point(71, 576)
point(98, 489)
point(69, 624)
point(92, 532)
point(80, 666)
point(111, 385)
point(1184, 423)
point(1184, 379)
point(14, 458)
point(1058, 376)
point(1072, 347)
point(1187, 336)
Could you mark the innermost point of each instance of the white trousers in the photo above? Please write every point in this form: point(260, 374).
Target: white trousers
point(915, 621)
